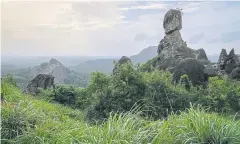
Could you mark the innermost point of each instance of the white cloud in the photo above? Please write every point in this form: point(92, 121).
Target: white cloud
point(100, 28)
point(151, 6)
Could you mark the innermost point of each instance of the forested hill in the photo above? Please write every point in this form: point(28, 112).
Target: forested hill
point(106, 65)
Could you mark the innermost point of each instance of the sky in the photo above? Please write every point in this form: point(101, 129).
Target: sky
point(57, 28)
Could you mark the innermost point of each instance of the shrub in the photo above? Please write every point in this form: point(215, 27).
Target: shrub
point(65, 95)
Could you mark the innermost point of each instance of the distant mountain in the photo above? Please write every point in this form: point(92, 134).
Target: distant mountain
point(106, 65)
point(144, 55)
point(62, 75)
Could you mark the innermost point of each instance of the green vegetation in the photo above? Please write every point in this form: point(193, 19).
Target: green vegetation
point(129, 106)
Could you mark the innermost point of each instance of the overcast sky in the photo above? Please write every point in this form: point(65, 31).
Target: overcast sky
point(113, 28)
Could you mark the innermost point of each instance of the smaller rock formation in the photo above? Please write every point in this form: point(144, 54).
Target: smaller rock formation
point(232, 61)
point(227, 63)
point(193, 69)
point(222, 59)
point(123, 60)
point(43, 81)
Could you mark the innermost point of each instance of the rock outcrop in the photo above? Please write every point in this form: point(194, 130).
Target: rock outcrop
point(222, 59)
point(232, 61)
point(120, 62)
point(210, 71)
point(124, 60)
point(172, 50)
point(228, 62)
point(54, 68)
point(42, 81)
point(193, 69)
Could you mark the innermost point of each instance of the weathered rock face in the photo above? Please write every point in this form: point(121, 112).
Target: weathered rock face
point(235, 74)
point(193, 69)
point(172, 49)
point(232, 61)
point(222, 59)
point(172, 21)
point(43, 81)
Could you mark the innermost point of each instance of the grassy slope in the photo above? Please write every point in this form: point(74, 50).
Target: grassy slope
point(29, 120)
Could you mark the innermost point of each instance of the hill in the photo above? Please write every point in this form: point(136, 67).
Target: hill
point(55, 68)
point(106, 65)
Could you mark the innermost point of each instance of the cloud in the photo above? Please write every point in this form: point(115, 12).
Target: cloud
point(227, 37)
point(140, 37)
point(110, 28)
point(151, 6)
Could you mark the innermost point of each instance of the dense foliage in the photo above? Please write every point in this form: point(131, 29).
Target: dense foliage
point(130, 105)
point(152, 91)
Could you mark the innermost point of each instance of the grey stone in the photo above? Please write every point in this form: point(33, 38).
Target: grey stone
point(232, 61)
point(222, 59)
point(172, 21)
point(235, 74)
point(42, 81)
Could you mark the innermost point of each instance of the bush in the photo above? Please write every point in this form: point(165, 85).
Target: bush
point(65, 95)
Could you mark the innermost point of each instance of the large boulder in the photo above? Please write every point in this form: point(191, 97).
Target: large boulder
point(235, 74)
point(210, 71)
point(42, 81)
point(193, 69)
point(172, 21)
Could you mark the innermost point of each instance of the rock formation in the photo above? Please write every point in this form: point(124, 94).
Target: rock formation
point(228, 62)
point(172, 49)
point(222, 59)
point(232, 61)
point(43, 81)
point(54, 68)
point(123, 60)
